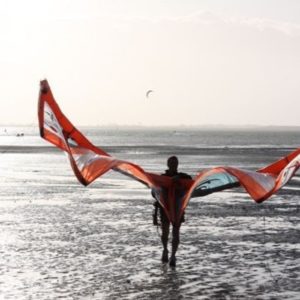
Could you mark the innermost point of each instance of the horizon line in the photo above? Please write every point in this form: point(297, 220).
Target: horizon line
point(163, 126)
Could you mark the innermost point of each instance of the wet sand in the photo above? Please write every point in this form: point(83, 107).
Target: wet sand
point(60, 240)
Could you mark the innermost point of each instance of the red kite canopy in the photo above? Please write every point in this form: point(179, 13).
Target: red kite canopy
point(90, 162)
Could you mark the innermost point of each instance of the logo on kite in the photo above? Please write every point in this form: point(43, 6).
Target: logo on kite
point(148, 93)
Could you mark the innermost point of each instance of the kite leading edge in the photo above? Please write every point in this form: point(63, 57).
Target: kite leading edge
point(90, 162)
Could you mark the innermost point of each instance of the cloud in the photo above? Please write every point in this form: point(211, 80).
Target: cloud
point(202, 17)
point(287, 28)
point(212, 18)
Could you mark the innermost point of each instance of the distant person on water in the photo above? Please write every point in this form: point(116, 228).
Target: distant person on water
point(172, 171)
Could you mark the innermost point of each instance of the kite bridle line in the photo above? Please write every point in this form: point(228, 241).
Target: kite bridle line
point(274, 278)
point(266, 262)
point(159, 233)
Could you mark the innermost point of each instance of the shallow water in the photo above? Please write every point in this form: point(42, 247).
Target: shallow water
point(60, 240)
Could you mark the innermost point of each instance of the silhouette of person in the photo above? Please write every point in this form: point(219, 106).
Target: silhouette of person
point(172, 171)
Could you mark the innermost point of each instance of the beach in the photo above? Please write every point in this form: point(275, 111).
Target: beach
point(61, 240)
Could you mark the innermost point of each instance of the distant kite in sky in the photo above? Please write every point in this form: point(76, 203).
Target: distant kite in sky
point(90, 162)
point(148, 93)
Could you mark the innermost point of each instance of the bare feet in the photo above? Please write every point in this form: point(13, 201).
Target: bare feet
point(172, 261)
point(164, 257)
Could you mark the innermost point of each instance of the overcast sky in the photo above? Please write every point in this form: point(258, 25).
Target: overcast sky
point(226, 62)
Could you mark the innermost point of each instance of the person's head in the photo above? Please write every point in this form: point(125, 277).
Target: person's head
point(172, 163)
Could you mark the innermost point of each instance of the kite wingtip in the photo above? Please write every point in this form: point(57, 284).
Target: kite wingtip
point(43, 81)
point(44, 86)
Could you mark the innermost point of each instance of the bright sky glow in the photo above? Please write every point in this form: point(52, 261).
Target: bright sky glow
point(209, 62)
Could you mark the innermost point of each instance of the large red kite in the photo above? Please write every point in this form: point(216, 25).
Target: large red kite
point(90, 162)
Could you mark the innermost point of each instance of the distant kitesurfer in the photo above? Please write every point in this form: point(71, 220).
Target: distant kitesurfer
point(148, 93)
point(172, 171)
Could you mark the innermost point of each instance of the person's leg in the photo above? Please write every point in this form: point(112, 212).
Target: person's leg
point(175, 243)
point(165, 227)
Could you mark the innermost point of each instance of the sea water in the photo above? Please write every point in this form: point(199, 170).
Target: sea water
point(60, 240)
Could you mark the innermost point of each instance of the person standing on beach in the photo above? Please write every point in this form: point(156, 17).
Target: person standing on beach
point(172, 171)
